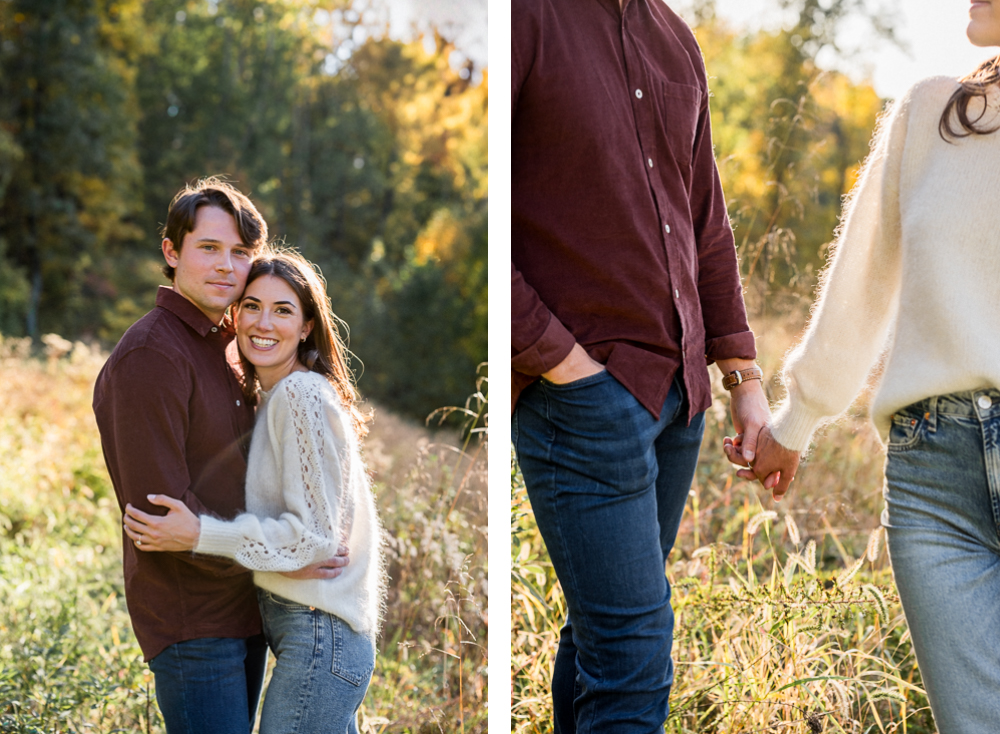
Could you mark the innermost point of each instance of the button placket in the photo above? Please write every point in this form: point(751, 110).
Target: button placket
point(643, 115)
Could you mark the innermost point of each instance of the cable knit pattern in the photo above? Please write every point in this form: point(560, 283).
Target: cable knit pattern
point(307, 488)
point(914, 277)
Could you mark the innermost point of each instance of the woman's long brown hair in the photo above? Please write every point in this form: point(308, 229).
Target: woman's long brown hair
point(323, 351)
point(970, 87)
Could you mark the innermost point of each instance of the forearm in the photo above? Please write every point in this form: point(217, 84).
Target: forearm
point(272, 544)
point(735, 364)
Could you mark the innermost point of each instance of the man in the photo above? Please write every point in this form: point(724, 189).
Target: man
point(624, 286)
point(173, 420)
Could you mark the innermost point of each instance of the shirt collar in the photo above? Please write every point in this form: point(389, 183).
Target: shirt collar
point(182, 308)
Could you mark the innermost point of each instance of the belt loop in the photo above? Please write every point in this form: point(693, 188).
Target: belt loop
point(932, 413)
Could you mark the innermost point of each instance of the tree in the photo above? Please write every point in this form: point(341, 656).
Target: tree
point(65, 85)
point(790, 137)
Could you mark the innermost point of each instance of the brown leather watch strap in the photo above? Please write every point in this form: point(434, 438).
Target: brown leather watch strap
point(739, 376)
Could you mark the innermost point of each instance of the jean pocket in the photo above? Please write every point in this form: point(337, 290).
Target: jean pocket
point(286, 605)
point(908, 426)
point(353, 653)
point(593, 379)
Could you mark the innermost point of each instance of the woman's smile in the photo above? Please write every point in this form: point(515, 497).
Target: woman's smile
point(262, 343)
point(270, 325)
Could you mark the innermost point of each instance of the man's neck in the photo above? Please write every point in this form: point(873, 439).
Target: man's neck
point(215, 318)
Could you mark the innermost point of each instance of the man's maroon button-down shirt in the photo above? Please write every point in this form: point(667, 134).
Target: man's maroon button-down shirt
point(620, 236)
point(173, 420)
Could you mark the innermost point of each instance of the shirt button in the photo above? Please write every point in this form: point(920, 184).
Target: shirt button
point(215, 328)
point(677, 293)
point(984, 401)
point(667, 227)
point(638, 94)
point(237, 403)
point(650, 162)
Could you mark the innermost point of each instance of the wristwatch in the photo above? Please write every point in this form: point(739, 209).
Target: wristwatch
point(739, 376)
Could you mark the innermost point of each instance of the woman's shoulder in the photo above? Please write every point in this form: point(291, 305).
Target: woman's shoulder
point(306, 388)
point(917, 111)
point(303, 383)
point(935, 90)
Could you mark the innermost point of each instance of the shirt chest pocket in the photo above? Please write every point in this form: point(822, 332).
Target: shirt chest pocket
point(678, 108)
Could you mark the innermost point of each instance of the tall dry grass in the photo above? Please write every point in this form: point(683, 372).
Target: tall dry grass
point(68, 659)
point(787, 619)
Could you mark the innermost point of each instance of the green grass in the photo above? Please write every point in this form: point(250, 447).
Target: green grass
point(69, 661)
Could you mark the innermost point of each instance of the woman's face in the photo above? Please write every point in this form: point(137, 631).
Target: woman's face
point(984, 23)
point(269, 327)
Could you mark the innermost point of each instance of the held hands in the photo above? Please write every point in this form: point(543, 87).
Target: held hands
point(775, 466)
point(178, 530)
point(754, 449)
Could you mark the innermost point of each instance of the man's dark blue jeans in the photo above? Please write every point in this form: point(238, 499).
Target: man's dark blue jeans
point(608, 483)
point(210, 685)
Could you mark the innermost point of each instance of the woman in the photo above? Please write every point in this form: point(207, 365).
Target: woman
point(915, 278)
point(307, 489)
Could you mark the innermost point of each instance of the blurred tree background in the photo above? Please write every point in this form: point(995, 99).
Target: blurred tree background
point(367, 153)
point(790, 137)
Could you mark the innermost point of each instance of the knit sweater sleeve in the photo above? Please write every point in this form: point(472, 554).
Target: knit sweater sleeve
point(308, 530)
point(858, 295)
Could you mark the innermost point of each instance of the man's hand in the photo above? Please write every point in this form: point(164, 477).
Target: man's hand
point(178, 530)
point(576, 366)
point(749, 409)
point(754, 449)
point(331, 568)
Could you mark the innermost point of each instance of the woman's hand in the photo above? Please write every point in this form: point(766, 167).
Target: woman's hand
point(331, 568)
point(178, 530)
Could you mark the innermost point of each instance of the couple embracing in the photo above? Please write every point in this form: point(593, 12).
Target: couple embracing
point(229, 427)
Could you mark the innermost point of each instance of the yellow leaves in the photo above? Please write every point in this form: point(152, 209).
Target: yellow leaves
point(441, 239)
point(788, 136)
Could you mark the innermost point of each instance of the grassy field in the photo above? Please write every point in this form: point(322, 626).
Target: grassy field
point(68, 659)
point(787, 619)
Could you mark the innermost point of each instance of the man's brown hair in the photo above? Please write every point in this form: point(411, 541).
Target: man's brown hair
point(215, 192)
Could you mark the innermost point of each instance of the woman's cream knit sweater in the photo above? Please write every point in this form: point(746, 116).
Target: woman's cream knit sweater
point(307, 488)
point(914, 277)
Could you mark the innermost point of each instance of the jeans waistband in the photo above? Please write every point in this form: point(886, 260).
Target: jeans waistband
point(981, 404)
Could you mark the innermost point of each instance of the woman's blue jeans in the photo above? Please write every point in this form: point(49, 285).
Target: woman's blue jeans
point(608, 483)
point(210, 685)
point(942, 518)
point(321, 673)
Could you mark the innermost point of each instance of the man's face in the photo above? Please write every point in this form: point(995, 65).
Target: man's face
point(212, 263)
